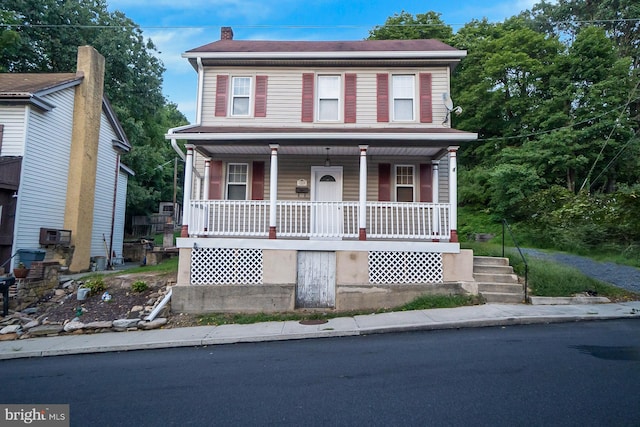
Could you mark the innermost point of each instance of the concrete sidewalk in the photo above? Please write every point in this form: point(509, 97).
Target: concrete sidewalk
point(443, 318)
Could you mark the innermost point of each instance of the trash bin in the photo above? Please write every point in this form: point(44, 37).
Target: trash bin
point(101, 263)
point(27, 256)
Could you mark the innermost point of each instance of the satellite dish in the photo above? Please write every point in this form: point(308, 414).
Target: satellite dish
point(448, 102)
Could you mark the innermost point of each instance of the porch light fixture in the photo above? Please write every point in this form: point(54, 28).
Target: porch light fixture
point(327, 162)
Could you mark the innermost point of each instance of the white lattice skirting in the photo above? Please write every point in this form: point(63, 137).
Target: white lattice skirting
point(405, 267)
point(222, 266)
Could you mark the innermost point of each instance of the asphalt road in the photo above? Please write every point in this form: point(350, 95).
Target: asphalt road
point(573, 374)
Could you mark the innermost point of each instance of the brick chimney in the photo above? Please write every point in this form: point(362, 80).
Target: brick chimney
point(226, 33)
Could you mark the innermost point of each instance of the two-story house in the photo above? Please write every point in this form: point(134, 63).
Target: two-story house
point(319, 174)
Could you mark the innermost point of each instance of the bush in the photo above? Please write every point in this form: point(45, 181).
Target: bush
point(139, 286)
point(96, 285)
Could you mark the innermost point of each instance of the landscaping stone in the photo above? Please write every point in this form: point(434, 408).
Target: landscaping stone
point(9, 337)
point(154, 324)
point(99, 325)
point(31, 324)
point(43, 330)
point(10, 329)
point(73, 326)
point(125, 323)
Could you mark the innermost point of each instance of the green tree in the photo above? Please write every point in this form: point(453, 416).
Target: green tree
point(404, 26)
point(45, 35)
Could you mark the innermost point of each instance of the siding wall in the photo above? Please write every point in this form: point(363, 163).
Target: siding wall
point(104, 192)
point(121, 203)
point(43, 181)
point(284, 97)
point(13, 118)
point(292, 168)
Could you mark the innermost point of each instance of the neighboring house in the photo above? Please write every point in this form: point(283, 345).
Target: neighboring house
point(320, 174)
point(60, 169)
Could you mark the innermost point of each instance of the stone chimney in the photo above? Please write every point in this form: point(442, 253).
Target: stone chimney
point(81, 179)
point(226, 33)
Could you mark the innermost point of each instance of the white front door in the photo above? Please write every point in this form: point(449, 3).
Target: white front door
point(326, 215)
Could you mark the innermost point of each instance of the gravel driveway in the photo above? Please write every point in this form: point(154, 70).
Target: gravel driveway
point(620, 275)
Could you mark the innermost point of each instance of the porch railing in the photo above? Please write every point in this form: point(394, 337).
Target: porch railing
point(304, 219)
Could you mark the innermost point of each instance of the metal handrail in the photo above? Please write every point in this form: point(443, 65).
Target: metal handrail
point(505, 224)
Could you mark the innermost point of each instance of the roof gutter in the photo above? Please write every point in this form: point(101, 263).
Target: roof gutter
point(447, 55)
point(172, 131)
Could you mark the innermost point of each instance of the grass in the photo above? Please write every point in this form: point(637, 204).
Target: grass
point(167, 266)
point(421, 303)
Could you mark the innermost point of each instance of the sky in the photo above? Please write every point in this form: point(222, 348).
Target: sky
point(178, 26)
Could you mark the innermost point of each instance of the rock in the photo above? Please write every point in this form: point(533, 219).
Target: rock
point(9, 337)
point(67, 284)
point(154, 324)
point(136, 308)
point(151, 301)
point(30, 310)
point(43, 330)
point(59, 292)
point(72, 326)
point(99, 325)
point(30, 325)
point(11, 329)
point(125, 323)
point(154, 295)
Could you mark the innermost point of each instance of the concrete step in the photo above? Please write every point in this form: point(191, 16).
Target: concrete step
point(490, 260)
point(491, 277)
point(514, 288)
point(495, 269)
point(503, 298)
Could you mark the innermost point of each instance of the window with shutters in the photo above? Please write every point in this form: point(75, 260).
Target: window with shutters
point(403, 94)
point(329, 90)
point(237, 181)
point(240, 96)
point(405, 183)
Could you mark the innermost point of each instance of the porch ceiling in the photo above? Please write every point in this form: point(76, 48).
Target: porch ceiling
point(320, 150)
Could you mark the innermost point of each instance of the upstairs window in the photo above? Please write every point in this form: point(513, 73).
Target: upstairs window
point(403, 92)
point(329, 89)
point(237, 181)
point(404, 183)
point(240, 96)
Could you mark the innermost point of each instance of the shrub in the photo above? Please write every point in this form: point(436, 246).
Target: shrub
point(139, 286)
point(96, 285)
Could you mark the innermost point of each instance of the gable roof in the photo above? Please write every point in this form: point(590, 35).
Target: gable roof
point(430, 50)
point(29, 88)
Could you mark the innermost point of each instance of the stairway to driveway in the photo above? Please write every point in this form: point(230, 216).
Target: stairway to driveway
point(497, 282)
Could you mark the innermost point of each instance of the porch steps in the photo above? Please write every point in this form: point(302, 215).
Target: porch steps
point(496, 280)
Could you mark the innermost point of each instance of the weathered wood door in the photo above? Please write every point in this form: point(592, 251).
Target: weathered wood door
point(316, 284)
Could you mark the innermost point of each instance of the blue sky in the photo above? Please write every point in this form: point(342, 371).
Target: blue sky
point(177, 26)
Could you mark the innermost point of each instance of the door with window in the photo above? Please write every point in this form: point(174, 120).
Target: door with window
point(326, 215)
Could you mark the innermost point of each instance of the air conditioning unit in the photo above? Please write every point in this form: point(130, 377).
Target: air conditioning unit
point(52, 236)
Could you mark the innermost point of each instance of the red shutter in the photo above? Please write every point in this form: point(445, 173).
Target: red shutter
point(1, 132)
point(222, 90)
point(426, 183)
point(215, 180)
point(350, 98)
point(382, 81)
point(384, 182)
point(425, 98)
point(307, 97)
point(260, 106)
point(257, 181)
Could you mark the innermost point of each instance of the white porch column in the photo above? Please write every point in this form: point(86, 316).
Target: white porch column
point(435, 191)
point(273, 190)
point(362, 210)
point(453, 192)
point(186, 198)
point(207, 179)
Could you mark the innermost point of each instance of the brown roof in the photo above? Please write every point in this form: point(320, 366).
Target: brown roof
point(29, 83)
point(266, 130)
point(324, 46)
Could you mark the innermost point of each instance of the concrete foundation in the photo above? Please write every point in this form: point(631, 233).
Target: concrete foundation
point(233, 299)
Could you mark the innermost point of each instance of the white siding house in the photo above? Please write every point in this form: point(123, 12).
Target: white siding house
point(38, 118)
point(319, 174)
